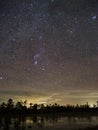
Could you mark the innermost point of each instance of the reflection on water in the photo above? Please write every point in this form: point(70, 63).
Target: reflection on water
point(50, 122)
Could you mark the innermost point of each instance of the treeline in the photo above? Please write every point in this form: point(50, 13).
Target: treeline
point(20, 107)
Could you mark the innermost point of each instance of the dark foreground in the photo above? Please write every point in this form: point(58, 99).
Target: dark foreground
point(17, 116)
point(90, 128)
point(20, 108)
point(48, 122)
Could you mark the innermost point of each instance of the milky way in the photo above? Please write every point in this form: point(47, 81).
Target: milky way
point(49, 48)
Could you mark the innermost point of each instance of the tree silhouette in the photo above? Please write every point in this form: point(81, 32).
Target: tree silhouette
point(3, 105)
point(10, 104)
point(20, 107)
point(97, 103)
point(31, 105)
point(35, 106)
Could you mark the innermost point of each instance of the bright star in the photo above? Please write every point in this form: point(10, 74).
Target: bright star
point(1, 78)
point(35, 62)
point(94, 17)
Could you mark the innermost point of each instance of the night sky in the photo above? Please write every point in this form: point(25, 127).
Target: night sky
point(49, 51)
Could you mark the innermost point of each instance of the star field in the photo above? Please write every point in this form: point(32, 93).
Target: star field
point(48, 48)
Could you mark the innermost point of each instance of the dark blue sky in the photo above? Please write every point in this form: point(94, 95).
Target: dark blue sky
point(49, 50)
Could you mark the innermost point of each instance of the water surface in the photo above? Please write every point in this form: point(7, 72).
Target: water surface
point(49, 122)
